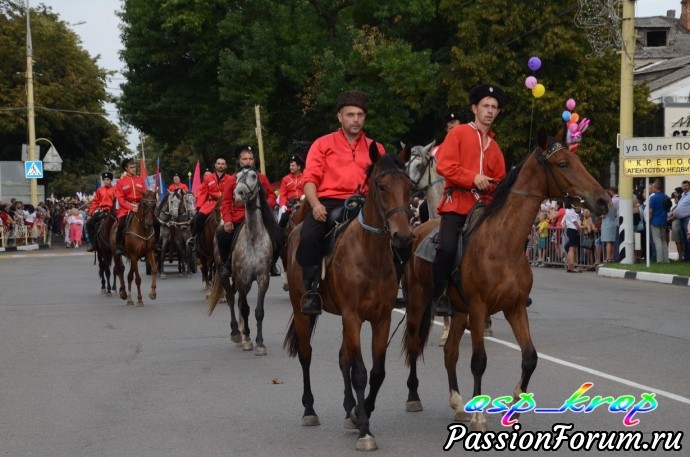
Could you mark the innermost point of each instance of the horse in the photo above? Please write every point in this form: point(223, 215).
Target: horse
point(359, 284)
point(174, 214)
point(139, 240)
point(104, 254)
point(297, 215)
point(167, 213)
point(422, 170)
point(203, 250)
point(495, 275)
point(252, 257)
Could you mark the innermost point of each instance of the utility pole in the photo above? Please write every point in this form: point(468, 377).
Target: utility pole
point(260, 139)
point(30, 104)
point(625, 230)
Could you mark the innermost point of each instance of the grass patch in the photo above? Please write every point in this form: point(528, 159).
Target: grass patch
point(673, 268)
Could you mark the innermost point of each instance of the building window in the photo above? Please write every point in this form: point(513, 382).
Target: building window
point(656, 38)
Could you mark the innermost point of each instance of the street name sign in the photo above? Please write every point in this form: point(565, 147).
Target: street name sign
point(656, 156)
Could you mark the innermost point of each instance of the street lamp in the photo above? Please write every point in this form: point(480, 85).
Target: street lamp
point(30, 105)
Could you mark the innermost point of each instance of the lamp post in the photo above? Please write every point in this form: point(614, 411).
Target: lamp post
point(30, 104)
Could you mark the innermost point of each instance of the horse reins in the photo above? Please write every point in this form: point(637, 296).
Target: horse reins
point(427, 171)
point(384, 214)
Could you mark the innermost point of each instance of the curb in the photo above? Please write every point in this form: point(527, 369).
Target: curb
point(644, 276)
point(28, 247)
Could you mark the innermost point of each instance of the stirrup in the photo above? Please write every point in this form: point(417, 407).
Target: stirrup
point(91, 247)
point(443, 306)
point(311, 304)
point(191, 242)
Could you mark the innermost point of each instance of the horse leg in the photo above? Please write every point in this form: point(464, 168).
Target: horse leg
point(151, 255)
point(235, 335)
point(101, 274)
point(301, 327)
point(259, 314)
point(478, 364)
point(418, 325)
point(451, 351)
point(379, 344)
point(519, 322)
point(161, 257)
point(247, 344)
point(137, 281)
point(130, 277)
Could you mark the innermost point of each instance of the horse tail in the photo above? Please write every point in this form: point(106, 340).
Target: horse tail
point(291, 343)
point(215, 294)
point(424, 332)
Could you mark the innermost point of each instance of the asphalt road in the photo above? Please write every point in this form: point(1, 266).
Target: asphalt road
point(83, 374)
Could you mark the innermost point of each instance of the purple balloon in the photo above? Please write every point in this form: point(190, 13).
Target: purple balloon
point(530, 82)
point(534, 63)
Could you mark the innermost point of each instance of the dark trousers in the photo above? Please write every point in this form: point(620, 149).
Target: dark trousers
point(310, 249)
point(684, 242)
point(197, 224)
point(451, 226)
point(92, 222)
point(225, 241)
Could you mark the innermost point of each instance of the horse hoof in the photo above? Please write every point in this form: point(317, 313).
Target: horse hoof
point(152, 295)
point(310, 421)
point(140, 304)
point(102, 291)
point(478, 423)
point(462, 416)
point(123, 295)
point(235, 338)
point(349, 425)
point(413, 406)
point(130, 302)
point(367, 443)
point(247, 346)
point(442, 342)
point(286, 287)
point(488, 332)
point(260, 350)
point(109, 294)
point(163, 277)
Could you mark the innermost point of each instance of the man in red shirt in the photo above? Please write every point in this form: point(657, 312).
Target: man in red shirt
point(291, 189)
point(233, 214)
point(210, 190)
point(102, 203)
point(129, 190)
point(472, 164)
point(336, 166)
point(177, 184)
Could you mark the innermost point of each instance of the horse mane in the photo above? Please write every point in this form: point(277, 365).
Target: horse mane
point(386, 162)
point(501, 194)
point(269, 220)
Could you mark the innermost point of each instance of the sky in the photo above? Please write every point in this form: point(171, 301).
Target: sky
point(100, 33)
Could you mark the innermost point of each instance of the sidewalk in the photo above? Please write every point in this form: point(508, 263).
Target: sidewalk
point(644, 276)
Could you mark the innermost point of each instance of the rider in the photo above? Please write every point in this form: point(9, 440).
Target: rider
point(336, 167)
point(177, 184)
point(102, 203)
point(129, 190)
point(211, 188)
point(233, 214)
point(472, 164)
point(291, 189)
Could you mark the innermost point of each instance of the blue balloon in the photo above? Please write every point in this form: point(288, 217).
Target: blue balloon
point(534, 63)
point(566, 115)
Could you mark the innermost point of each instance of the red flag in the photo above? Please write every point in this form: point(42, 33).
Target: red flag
point(142, 169)
point(196, 180)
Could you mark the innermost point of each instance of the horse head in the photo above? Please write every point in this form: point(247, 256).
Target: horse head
point(419, 166)
point(247, 187)
point(189, 204)
point(174, 204)
point(389, 191)
point(147, 208)
point(566, 176)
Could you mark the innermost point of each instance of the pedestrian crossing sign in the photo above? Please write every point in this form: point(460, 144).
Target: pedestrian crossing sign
point(33, 169)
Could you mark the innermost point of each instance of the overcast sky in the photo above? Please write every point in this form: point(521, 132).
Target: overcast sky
point(100, 33)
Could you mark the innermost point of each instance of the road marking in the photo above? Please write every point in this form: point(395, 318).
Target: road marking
point(575, 366)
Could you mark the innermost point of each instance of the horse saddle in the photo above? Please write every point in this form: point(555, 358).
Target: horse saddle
point(427, 247)
point(338, 220)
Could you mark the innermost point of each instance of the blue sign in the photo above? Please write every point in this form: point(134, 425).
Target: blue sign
point(33, 169)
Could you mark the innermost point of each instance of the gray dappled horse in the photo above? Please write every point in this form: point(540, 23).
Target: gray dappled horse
point(252, 256)
point(174, 213)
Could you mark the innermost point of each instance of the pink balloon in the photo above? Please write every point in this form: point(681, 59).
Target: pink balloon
point(573, 128)
point(570, 104)
point(530, 82)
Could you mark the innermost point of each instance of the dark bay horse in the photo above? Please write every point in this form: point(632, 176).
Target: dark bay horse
point(252, 256)
point(104, 255)
point(360, 285)
point(299, 212)
point(204, 249)
point(495, 274)
point(139, 241)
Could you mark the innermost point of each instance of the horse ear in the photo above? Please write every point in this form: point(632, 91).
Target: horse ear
point(543, 139)
point(374, 154)
point(560, 136)
point(405, 153)
point(429, 147)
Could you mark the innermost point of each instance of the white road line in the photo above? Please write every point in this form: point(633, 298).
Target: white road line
point(575, 366)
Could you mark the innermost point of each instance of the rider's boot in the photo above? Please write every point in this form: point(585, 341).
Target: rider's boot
point(119, 237)
point(439, 299)
point(311, 301)
point(92, 238)
point(275, 271)
point(224, 242)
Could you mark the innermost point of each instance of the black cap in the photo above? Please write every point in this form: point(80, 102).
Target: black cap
point(243, 148)
point(107, 175)
point(353, 98)
point(487, 90)
point(298, 160)
point(176, 175)
point(450, 117)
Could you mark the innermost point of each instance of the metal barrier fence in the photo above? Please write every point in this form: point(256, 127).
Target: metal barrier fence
point(550, 252)
point(23, 235)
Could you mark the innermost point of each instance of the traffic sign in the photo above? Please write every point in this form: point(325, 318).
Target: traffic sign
point(656, 146)
point(33, 169)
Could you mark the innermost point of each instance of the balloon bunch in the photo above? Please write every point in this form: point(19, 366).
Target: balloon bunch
point(576, 126)
point(538, 90)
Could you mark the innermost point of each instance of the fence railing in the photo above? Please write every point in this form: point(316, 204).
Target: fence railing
point(23, 235)
point(550, 251)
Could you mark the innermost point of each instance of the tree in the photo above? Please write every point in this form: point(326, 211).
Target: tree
point(69, 94)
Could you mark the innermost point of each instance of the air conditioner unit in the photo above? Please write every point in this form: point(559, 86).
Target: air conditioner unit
point(669, 99)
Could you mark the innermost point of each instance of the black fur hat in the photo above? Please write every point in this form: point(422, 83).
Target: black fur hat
point(298, 160)
point(353, 98)
point(107, 175)
point(243, 148)
point(487, 90)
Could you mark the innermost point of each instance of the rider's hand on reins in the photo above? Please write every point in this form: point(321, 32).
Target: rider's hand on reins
point(228, 227)
point(320, 213)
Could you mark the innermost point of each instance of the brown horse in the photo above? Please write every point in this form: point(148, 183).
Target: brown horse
point(360, 285)
point(104, 255)
point(139, 241)
point(495, 274)
point(204, 248)
point(299, 212)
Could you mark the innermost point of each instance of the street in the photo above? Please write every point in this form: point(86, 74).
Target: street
point(82, 374)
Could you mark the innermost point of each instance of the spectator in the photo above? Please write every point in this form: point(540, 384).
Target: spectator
point(609, 227)
point(572, 226)
point(682, 213)
point(658, 222)
point(76, 224)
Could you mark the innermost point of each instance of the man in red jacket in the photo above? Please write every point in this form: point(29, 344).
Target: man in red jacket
point(291, 188)
point(129, 190)
point(210, 190)
point(472, 164)
point(177, 184)
point(102, 203)
point(336, 166)
point(233, 214)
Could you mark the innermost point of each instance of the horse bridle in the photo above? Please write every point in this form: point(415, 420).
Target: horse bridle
point(427, 170)
point(243, 180)
point(542, 158)
point(379, 207)
point(145, 203)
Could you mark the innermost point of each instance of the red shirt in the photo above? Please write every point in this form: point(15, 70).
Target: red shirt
point(211, 188)
point(173, 187)
point(336, 167)
point(460, 158)
point(103, 200)
point(233, 212)
point(128, 190)
point(291, 188)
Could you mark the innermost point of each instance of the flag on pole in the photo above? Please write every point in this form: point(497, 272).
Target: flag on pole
point(196, 180)
point(142, 169)
point(159, 180)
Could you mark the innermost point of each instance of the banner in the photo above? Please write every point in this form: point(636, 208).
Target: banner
point(196, 180)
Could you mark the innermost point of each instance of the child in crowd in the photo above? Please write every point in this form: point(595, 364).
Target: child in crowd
point(543, 230)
